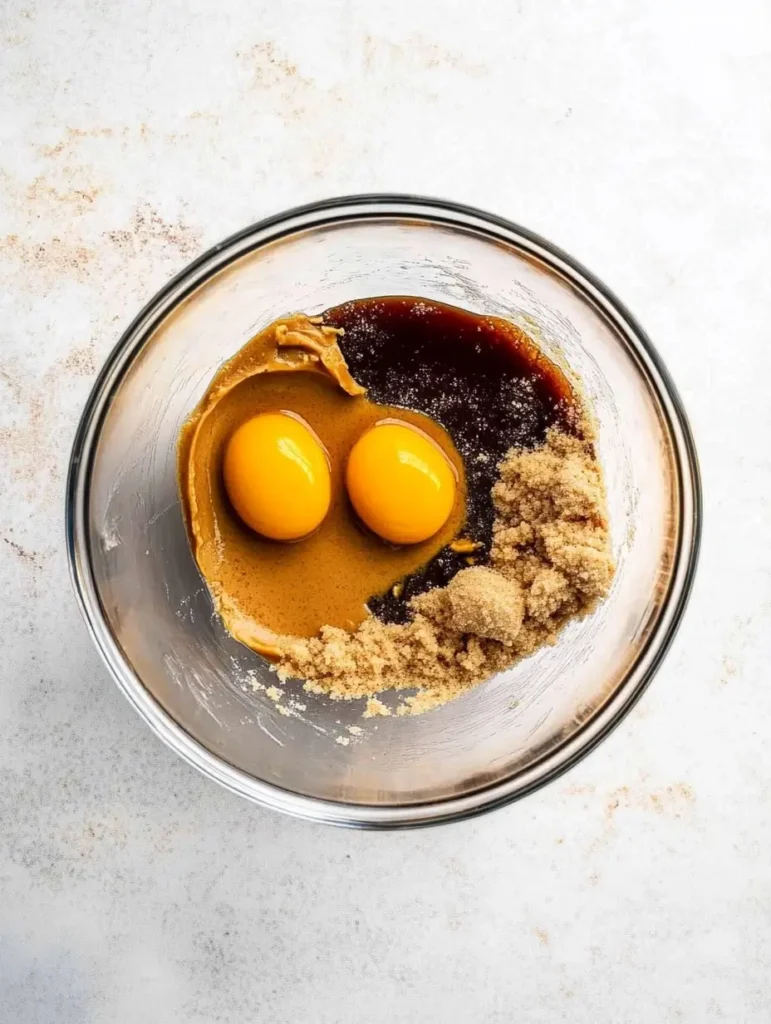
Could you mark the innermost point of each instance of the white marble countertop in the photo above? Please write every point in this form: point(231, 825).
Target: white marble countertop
point(637, 136)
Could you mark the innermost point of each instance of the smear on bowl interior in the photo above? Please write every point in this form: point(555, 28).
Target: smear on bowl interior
point(395, 495)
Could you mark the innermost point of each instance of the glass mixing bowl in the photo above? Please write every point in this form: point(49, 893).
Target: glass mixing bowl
point(205, 694)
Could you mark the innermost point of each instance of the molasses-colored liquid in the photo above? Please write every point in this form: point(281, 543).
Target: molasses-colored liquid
point(480, 377)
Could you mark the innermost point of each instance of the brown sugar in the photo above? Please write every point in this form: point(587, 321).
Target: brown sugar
point(484, 602)
point(550, 562)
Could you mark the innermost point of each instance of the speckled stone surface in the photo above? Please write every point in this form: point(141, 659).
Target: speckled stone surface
point(637, 888)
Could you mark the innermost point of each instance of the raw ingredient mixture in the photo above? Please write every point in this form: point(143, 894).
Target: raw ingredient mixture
point(505, 438)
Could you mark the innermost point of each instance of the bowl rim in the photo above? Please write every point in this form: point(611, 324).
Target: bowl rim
point(598, 726)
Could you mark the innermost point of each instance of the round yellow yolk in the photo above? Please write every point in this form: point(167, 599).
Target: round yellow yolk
point(277, 476)
point(400, 483)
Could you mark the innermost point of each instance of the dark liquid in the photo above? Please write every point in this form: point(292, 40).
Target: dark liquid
point(482, 378)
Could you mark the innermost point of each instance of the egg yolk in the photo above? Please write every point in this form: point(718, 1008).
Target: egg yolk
point(400, 482)
point(277, 476)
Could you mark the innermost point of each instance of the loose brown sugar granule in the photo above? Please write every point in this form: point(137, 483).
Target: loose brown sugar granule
point(375, 709)
point(550, 562)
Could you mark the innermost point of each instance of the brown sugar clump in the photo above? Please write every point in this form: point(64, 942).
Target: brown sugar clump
point(550, 562)
point(483, 602)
